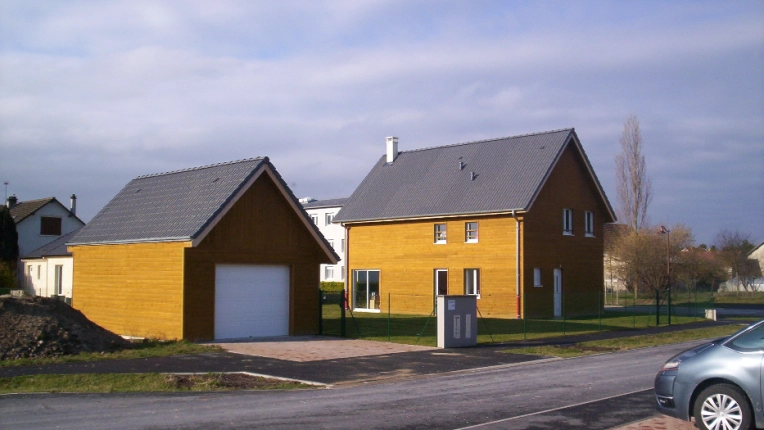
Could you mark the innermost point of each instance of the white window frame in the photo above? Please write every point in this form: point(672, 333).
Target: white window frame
point(589, 223)
point(567, 222)
point(472, 288)
point(328, 218)
point(342, 273)
point(537, 277)
point(440, 236)
point(329, 272)
point(331, 242)
point(59, 279)
point(470, 235)
point(314, 218)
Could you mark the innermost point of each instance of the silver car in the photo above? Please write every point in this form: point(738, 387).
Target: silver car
point(718, 383)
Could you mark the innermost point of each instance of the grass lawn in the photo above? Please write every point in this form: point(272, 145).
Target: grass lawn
point(141, 382)
point(407, 328)
point(140, 349)
point(626, 343)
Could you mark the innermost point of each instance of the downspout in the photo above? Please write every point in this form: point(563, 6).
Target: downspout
point(517, 263)
point(347, 264)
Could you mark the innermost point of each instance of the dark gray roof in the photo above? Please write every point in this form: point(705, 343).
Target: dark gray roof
point(57, 248)
point(168, 206)
point(328, 203)
point(24, 209)
point(509, 172)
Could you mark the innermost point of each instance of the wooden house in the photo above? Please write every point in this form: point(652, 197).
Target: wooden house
point(516, 221)
point(214, 252)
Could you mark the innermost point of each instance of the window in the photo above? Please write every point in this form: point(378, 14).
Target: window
point(331, 242)
point(366, 289)
point(567, 222)
point(59, 280)
point(472, 282)
point(537, 277)
point(342, 273)
point(589, 219)
point(440, 233)
point(329, 272)
point(342, 245)
point(750, 341)
point(328, 219)
point(314, 218)
point(50, 226)
point(471, 232)
point(39, 269)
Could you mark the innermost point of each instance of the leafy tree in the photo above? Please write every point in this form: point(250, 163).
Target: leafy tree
point(643, 258)
point(734, 248)
point(9, 238)
point(633, 185)
point(699, 267)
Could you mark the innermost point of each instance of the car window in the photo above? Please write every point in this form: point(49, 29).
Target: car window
point(752, 340)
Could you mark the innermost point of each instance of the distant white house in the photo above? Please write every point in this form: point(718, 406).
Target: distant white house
point(322, 213)
point(39, 222)
point(49, 269)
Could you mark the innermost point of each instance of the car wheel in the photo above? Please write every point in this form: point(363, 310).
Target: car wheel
point(722, 407)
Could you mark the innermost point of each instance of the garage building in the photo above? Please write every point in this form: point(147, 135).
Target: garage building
point(215, 252)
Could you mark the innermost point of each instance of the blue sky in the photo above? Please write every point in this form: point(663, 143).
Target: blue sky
point(93, 94)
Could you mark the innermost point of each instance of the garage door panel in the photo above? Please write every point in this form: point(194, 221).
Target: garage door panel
point(251, 301)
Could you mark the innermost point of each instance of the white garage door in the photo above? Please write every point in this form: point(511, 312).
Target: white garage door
point(251, 300)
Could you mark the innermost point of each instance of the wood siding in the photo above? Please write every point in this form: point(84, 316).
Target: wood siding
point(406, 256)
point(133, 290)
point(261, 228)
point(579, 257)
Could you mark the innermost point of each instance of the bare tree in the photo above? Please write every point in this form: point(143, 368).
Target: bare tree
point(632, 183)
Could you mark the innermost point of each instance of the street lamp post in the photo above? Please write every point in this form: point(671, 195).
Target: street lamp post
point(667, 232)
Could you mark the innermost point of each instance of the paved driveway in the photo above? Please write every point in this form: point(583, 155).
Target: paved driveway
point(315, 348)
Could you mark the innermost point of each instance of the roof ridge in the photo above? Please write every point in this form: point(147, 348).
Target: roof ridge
point(172, 172)
point(490, 140)
point(47, 199)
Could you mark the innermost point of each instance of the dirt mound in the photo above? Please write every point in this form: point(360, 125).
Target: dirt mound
point(34, 327)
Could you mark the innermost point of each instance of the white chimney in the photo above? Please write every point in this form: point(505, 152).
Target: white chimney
point(73, 204)
point(392, 149)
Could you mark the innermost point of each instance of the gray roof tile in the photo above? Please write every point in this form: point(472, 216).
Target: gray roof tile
point(57, 248)
point(168, 206)
point(327, 203)
point(428, 182)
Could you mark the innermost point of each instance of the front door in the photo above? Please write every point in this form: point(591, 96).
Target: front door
point(557, 292)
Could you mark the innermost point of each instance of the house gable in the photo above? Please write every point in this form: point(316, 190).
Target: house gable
point(545, 246)
point(262, 227)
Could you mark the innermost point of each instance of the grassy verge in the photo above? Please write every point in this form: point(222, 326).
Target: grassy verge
point(140, 382)
point(407, 328)
point(143, 349)
point(626, 343)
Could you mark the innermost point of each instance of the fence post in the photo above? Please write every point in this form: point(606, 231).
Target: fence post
point(562, 298)
point(343, 321)
point(320, 311)
point(634, 307)
point(388, 317)
point(525, 319)
point(599, 309)
point(657, 308)
point(668, 291)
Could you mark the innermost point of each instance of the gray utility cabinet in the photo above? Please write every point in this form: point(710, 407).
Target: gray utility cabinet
point(457, 321)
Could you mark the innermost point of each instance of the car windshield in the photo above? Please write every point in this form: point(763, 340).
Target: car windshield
point(748, 341)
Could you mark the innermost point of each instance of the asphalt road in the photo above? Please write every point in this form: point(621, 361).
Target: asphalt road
point(596, 392)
